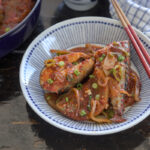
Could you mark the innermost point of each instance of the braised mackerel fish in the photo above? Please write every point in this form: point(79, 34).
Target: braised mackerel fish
point(67, 69)
point(105, 93)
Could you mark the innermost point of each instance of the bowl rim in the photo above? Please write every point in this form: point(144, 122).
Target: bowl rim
point(48, 120)
point(23, 21)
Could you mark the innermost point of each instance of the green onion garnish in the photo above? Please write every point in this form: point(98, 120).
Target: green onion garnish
point(67, 99)
point(94, 85)
point(89, 107)
point(82, 113)
point(102, 57)
point(110, 113)
point(112, 70)
point(121, 58)
point(57, 101)
point(115, 43)
point(61, 63)
point(58, 54)
point(97, 96)
point(74, 63)
point(89, 103)
point(76, 72)
point(91, 76)
point(79, 86)
point(50, 81)
point(7, 29)
point(48, 97)
point(90, 97)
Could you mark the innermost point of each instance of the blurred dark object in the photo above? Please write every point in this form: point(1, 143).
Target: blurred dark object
point(63, 12)
point(13, 38)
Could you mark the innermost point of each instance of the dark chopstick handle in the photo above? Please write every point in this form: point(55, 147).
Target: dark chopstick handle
point(145, 53)
point(139, 52)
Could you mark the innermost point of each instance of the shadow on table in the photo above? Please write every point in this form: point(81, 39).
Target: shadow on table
point(58, 139)
point(9, 68)
point(9, 77)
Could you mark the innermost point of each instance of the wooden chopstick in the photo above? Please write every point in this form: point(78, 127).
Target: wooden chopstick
point(144, 51)
point(141, 51)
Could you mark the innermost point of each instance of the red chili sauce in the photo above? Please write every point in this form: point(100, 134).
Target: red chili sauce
point(70, 111)
point(13, 12)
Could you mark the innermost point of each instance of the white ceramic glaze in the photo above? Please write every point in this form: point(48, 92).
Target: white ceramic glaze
point(81, 5)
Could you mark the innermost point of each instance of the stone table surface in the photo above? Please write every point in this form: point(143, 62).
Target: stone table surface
point(22, 129)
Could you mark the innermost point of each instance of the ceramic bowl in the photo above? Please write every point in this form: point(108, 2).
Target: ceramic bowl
point(15, 37)
point(72, 33)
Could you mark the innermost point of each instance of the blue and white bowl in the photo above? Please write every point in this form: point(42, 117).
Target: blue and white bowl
point(72, 33)
point(16, 36)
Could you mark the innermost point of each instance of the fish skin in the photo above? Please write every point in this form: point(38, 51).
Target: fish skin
point(59, 76)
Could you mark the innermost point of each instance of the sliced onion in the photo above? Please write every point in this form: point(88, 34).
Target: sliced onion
point(125, 92)
point(109, 61)
point(61, 52)
point(77, 94)
point(119, 50)
point(92, 116)
point(113, 88)
point(118, 74)
point(49, 62)
point(100, 119)
point(137, 84)
point(107, 72)
point(105, 82)
point(115, 53)
point(101, 77)
point(98, 107)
